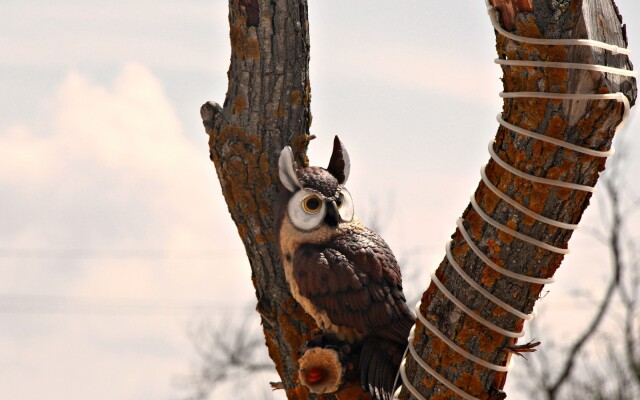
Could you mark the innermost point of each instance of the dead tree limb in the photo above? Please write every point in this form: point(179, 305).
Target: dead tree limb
point(588, 124)
point(268, 106)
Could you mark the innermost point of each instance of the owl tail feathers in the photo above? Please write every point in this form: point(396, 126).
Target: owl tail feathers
point(379, 363)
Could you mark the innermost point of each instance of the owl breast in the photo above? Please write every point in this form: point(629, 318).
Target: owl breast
point(290, 241)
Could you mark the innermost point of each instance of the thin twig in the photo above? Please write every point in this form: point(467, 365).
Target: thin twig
point(617, 264)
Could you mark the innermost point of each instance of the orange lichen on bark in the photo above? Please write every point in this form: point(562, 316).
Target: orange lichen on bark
point(527, 27)
point(494, 246)
point(470, 383)
point(508, 9)
point(505, 237)
point(593, 122)
point(446, 394)
point(429, 382)
point(501, 181)
point(237, 36)
point(428, 295)
point(441, 349)
point(264, 166)
point(563, 193)
point(274, 353)
point(239, 103)
point(489, 276)
point(499, 312)
point(586, 127)
point(556, 127)
point(252, 49)
point(235, 134)
point(475, 225)
point(298, 392)
point(433, 358)
point(241, 45)
point(472, 330)
point(461, 249)
point(295, 98)
point(538, 149)
point(486, 338)
point(557, 53)
point(518, 156)
point(448, 356)
point(528, 221)
point(292, 312)
point(281, 111)
point(260, 238)
point(299, 145)
point(556, 77)
point(535, 157)
point(537, 200)
point(490, 200)
point(242, 157)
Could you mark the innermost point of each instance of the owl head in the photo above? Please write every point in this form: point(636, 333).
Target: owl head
point(317, 195)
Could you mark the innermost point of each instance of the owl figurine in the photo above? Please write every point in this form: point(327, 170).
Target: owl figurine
point(341, 273)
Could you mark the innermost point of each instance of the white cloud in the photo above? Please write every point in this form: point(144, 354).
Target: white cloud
point(22, 154)
point(113, 172)
point(114, 161)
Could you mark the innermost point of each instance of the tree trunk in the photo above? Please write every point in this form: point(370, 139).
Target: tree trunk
point(267, 107)
point(589, 124)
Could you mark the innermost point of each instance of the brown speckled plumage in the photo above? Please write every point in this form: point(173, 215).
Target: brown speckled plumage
point(355, 278)
point(347, 278)
point(319, 180)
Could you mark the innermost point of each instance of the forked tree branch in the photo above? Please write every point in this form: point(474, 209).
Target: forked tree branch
point(268, 106)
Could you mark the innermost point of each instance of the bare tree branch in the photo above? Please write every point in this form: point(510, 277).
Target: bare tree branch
point(227, 351)
point(617, 268)
point(268, 106)
point(625, 280)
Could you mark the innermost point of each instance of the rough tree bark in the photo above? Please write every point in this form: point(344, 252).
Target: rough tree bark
point(589, 124)
point(267, 106)
point(265, 109)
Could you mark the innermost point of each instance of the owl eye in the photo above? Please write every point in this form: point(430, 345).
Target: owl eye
point(312, 204)
point(306, 210)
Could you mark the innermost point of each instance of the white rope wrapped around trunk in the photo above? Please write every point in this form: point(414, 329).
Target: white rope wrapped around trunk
point(620, 97)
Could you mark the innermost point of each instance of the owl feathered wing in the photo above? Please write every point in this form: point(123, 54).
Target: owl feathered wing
point(355, 279)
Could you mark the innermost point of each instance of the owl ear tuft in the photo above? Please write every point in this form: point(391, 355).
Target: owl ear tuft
point(339, 165)
point(287, 170)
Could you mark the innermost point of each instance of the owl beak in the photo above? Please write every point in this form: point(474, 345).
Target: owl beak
point(333, 215)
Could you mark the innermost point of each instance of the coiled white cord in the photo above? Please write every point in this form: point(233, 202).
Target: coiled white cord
point(482, 290)
point(596, 153)
point(493, 15)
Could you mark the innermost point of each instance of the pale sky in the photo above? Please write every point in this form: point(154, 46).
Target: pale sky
point(115, 238)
